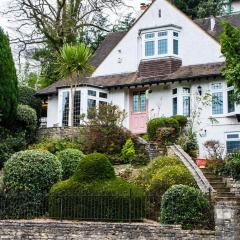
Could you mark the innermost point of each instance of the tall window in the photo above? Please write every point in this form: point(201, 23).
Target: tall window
point(186, 102)
point(77, 109)
point(139, 102)
point(230, 99)
point(162, 46)
point(233, 142)
point(149, 48)
point(174, 101)
point(217, 98)
point(91, 105)
point(65, 109)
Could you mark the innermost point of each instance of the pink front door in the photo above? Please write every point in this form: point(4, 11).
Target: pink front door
point(138, 111)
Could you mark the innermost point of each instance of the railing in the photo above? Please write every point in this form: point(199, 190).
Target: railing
point(198, 175)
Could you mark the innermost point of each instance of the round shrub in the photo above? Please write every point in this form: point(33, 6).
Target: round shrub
point(172, 123)
point(31, 171)
point(182, 120)
point(232, 165)
point(69, 159)
point(186, 206)
point(27, 117)
point(108, 200)
point(153, 125)
point(94, 167)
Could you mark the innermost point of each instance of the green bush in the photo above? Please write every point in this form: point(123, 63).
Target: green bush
point(106, 200)
point(182, 120)
point(232, 165)
point(186, 206)
point(189, 144)
point(117, 159)
point(94, 167)
point(55, 145)
point(31, 171)
point(69, 159)
point(128, 151)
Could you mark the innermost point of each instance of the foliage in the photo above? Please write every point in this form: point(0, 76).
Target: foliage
point(128, 151)
point(214, 149)
point(94, 167)
point(165, 136)
point(27, 97)
point(186, 206)
point(8, 82)
point(117, 159)
point(189, 143)
point(141, 159)
point(103, 132)
point(230, 44)
point(55, 145)
point(232, 165)
point(208, 8)
point(114, 193)
point(182, 120)
point(10, 143)
point(69, 159)
point(31, 171)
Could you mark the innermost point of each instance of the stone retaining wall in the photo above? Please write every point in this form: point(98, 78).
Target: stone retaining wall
point(21, 230)
point(234, 186)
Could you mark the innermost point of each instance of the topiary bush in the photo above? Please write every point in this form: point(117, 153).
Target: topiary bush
point(232, 166)
point(182, 120)
point(94, 167)
point(69, 158)
point(186, 206)
point(31, 171)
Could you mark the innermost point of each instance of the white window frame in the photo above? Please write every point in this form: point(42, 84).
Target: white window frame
point(232, 139)
point(221, 90)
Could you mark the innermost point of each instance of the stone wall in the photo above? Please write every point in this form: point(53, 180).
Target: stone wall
point(21, 230)
point(234, 186)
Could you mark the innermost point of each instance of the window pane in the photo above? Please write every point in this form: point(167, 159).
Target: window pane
point(174, 106)
point(231, 103)
point(149, 35)
point(103, 95)
point(217, 103)
point(92, 93)
point(135, 102)
point(161, 34)
point(77, 108)
point(186, 90)
point(175, 34)
point(142, 102)
point(175, 46)
point(162, 46)
point(149, 48)
point(174, 91)
point(186, 106)
point(91, 107)
point(231, 136)
point(233, 146)
point(216, 86)
point(65, 109)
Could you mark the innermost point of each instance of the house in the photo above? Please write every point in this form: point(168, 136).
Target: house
point(161, 67)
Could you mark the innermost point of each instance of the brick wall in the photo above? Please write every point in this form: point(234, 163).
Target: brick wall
point(21, 230)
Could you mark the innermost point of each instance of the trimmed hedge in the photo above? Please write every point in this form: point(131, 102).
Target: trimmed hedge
point(186, 206)
point(69, 158)
point(182, 120)
point(102, 200)
point(94, 167)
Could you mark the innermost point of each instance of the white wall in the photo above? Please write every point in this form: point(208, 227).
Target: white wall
point(52, 111)
point(195, 46)
point(235, 6)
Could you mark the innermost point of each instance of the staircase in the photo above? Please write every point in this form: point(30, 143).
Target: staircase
point(223, 192)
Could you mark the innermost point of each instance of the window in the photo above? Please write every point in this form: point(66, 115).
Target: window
point(149, 35)
point(92, 93)
point(230, 99)
point(91, 107)
point(174, 91)
point(149, 48)
point(233, 142)
point(103, 95)
point(65, 109)
point(162, 46)
point(175, 46)
point(217, 98)
point(175, 108)
point(77, 109)
point(139, 102)
point(175, 34)
point(186, 102)
point(162, 34)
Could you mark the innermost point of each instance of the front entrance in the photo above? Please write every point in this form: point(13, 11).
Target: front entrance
point(138, 111)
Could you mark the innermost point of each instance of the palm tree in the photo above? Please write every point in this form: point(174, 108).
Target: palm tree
point(73, 65)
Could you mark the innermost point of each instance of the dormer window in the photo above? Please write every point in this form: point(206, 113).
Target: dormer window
point(160, 43)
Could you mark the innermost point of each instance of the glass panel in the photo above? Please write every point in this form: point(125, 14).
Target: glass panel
point(186, 106)
point(161, 34)
point(175, 34)
point(186, 90)
point(216, 86)
point(149, 48)
point(217, 103)
point(91, 106)
point(162, 46)
point(139, 102)
point(233, 146)
point(103, 95)
point(175, 46)
point(174, 91)
point(149, 35)
point(135, 102)
point(142, 102)
point(231, 102)
point(231, 136)
point(65, 109)
point(77, 109)
point(174, 106)
point(92, 93)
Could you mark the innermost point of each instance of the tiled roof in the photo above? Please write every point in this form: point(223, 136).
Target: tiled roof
point(132, 79)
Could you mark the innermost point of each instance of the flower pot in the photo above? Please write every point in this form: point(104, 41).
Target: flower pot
point(201, 162)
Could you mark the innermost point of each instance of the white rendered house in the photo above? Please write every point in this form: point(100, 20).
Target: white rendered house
point(160, 67)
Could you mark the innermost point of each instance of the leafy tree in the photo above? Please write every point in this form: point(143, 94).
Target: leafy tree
point(211, 7)
point(230, 43)
point(8, 82)
point(73, 64)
